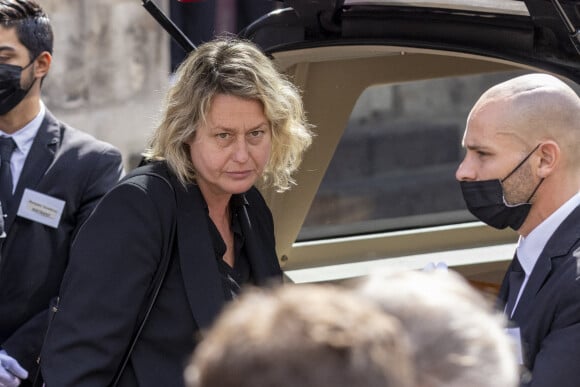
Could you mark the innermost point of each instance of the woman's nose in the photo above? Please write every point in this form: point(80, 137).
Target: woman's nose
point(241, 151)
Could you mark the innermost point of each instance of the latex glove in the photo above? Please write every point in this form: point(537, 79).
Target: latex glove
point(10, 371)
point(432, 266)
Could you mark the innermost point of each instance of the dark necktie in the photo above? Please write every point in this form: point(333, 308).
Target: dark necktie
point(7, 146)
point(516, 278)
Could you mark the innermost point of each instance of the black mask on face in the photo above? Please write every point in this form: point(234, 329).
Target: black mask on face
point(486, 201)
point(11, 93)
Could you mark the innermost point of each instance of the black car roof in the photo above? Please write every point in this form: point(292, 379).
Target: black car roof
point(538, 33)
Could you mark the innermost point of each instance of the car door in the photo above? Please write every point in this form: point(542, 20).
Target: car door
point(387, 86)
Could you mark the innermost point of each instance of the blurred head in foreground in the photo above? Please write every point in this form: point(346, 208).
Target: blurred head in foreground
point(302, 335)
point(456, 337)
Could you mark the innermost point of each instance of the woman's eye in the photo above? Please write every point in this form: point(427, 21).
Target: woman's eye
point(223, 136)
point(256, 133)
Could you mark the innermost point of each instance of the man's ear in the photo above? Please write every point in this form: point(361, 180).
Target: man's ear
point(42, 64)
point(549, 153)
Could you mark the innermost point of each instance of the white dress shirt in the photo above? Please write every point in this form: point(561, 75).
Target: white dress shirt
point(23, 137)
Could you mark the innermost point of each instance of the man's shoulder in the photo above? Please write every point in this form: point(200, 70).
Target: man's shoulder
point(73, 138)
point(76, 138)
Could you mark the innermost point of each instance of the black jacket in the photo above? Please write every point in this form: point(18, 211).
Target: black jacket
point(69, 165)
point(548, 312)
point(112, 264)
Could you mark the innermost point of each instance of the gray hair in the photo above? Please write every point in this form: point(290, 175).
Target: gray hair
point(457, 339)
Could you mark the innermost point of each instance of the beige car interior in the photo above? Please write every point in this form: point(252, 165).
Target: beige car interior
point(332, 78)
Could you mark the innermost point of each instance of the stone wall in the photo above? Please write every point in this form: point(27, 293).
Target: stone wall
point(110, 69)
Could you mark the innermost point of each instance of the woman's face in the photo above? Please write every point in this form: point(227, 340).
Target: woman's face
point(230, 151)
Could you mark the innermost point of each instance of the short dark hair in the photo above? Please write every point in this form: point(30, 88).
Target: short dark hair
point(31, 22)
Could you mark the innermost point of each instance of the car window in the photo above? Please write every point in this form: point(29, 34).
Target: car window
point(394, 167)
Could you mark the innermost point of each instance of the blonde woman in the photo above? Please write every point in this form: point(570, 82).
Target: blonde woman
point(231, 121)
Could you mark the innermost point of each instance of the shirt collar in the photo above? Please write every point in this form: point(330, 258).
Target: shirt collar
point(24, 137)
point(530, 247)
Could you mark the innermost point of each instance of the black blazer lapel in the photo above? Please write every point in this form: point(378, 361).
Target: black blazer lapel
point(504, 289)
point(40, 157)
point(557, 248)
point(537, 279)
point(199, 268)
point(265, 268)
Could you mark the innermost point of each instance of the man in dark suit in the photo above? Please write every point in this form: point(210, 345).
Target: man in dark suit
point(51, 177)
point(522, 170)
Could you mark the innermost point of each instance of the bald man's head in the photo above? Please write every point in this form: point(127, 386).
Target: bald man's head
point(538, 107)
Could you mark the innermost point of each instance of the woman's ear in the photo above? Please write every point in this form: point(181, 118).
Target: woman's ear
point(42, 64)
point(549, 152)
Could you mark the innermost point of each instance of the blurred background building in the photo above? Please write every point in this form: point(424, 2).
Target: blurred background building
point(112, 61)
point(110, 69)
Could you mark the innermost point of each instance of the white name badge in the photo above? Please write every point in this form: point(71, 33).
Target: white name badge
point(41, 208)
point(516, 338)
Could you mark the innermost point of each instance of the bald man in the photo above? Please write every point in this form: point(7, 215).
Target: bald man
point(522, 170)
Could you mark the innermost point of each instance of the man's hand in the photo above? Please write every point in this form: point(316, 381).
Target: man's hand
point(10, 371)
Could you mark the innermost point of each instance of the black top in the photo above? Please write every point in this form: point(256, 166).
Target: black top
point(232, 277)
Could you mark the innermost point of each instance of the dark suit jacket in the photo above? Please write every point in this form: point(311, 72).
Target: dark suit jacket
point(548, 312)
point(113, 261)
point(68, 165)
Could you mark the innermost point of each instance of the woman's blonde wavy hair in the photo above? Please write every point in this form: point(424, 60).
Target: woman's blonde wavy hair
point(236, 67)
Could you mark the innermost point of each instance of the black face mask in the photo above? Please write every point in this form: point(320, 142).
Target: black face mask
point(11, 94)
point(486, 201)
